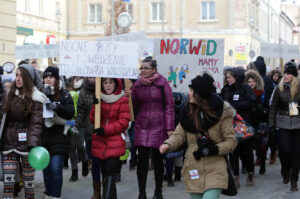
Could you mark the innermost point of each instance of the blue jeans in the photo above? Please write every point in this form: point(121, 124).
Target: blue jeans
point(96, 169)
point(53, 176)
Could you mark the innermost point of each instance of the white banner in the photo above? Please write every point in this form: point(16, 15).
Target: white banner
point(145, 44)
point(37, 51)
point(180, 60)
point(284, 51)
point(98, 59)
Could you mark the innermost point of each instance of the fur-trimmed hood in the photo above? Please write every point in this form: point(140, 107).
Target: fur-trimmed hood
point(37, 95)
point(256, 76)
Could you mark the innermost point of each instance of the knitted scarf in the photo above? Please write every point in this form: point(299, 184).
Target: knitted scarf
point(147, 81)
point(112, 97)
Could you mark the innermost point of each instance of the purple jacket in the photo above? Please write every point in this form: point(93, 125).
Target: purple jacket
point(154, 112)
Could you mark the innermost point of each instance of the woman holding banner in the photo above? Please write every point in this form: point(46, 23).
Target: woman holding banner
point(153, 105)
point(53, 137)
point(22, 112)
point(108, 143)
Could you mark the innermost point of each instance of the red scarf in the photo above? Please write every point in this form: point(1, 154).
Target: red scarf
point(147, 81)
point(258, 93)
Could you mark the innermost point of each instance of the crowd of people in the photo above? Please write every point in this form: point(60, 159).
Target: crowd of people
point(182, 134)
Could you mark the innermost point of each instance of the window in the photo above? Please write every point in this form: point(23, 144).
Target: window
point(208, 10)
point(157, 11)
point(130, 9)
point(95, 13)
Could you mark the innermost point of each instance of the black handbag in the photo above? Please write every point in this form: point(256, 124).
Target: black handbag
point(232, 189)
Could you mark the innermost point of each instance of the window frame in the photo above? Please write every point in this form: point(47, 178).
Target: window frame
point(159, 11)
point(95, 13)
point(208, 11)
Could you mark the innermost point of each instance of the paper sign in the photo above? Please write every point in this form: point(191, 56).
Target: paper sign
point(37, 51)
point(284, 51)
point(180, 60)
point(99, 59)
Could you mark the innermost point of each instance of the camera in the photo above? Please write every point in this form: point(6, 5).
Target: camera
point(203, 149)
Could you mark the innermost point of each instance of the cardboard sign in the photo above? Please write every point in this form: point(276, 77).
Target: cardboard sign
point(99, 59)
point(180, 60)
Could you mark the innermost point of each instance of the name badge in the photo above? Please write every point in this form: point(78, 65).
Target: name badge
point(194, 174)
point(236, 97)
point(22, 137)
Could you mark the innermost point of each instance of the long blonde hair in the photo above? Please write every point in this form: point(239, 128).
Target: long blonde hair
point(294, 88)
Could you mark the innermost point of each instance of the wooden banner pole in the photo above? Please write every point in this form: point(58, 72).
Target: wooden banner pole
point(127, 87)
point(98, 106)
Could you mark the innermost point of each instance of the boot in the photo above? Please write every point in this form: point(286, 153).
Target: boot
point(158, 195)
point(294, 186)
point(142, 196)
point(158, 185)
point(17, 189)
point(74, 176)
point(90, 164)
point(262, 168)
point(97, 190)
point(273, 157)
point(85, 168)
point(177, 174)
point(237, 179)
point(249, 182)
point(170, 180)
point(118, 177)
point(109, 191)
point(257, 162)
point(285, 177)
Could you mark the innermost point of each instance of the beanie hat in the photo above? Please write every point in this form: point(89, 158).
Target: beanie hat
point(203, 85)
point(51, 71)
point(29, 69)
point(291, 69)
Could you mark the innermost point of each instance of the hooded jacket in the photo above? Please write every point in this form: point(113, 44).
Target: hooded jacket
point(17, 123)
point(154, 112)
point(240, 96)
point(212, 170)
point(115, 119)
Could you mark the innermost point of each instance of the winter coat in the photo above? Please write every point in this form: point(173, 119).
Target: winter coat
point(53, 138)
point(279, 110)
point(240, 96)
point(84, 106)
point(212, 170)
point(268, 85)
point(115, 119)
point(17, 123)
point(154, 112)
point(260, 114)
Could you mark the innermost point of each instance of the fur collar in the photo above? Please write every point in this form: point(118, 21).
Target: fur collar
point(36, 95)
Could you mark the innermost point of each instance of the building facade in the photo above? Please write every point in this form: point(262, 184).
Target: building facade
point(7, 31)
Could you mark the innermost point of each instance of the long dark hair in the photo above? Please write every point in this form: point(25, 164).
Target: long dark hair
point(26, 92)
point(201, 105)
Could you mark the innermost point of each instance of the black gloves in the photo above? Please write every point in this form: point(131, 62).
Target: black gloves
point(47, 90)
point(99, 131)
point(95, 101)
point(205, 147)
point(51, 106)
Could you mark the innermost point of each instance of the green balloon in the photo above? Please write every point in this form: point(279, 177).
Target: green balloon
point(125, 156)
point(38, 158)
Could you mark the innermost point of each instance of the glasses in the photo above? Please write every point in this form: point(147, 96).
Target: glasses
point(145, 68)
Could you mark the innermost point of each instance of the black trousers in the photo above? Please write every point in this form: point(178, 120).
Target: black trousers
point(244, 151)
point(110, 166)
point(289, 152)
point(143, 166)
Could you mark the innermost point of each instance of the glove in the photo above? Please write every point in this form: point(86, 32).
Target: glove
point(99, 131)
point(71, 123)
point(51, 106)
point(47, 90)
point(213, 148)
point(95, 101)
point(29, 148)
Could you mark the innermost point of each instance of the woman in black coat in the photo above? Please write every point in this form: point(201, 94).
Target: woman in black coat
point(243, 100)
point(53, 136)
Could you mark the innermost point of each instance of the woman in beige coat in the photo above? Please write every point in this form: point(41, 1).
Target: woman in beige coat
point(206, 126)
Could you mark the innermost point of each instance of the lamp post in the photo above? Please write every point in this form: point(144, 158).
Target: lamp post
point(58, 18)
point(251, 24)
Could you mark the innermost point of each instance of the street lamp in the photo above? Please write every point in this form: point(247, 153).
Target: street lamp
point(251, 24)
point(58, 18)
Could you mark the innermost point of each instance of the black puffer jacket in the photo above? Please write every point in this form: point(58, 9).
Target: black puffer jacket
point(240, 96)
point(53, 138)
